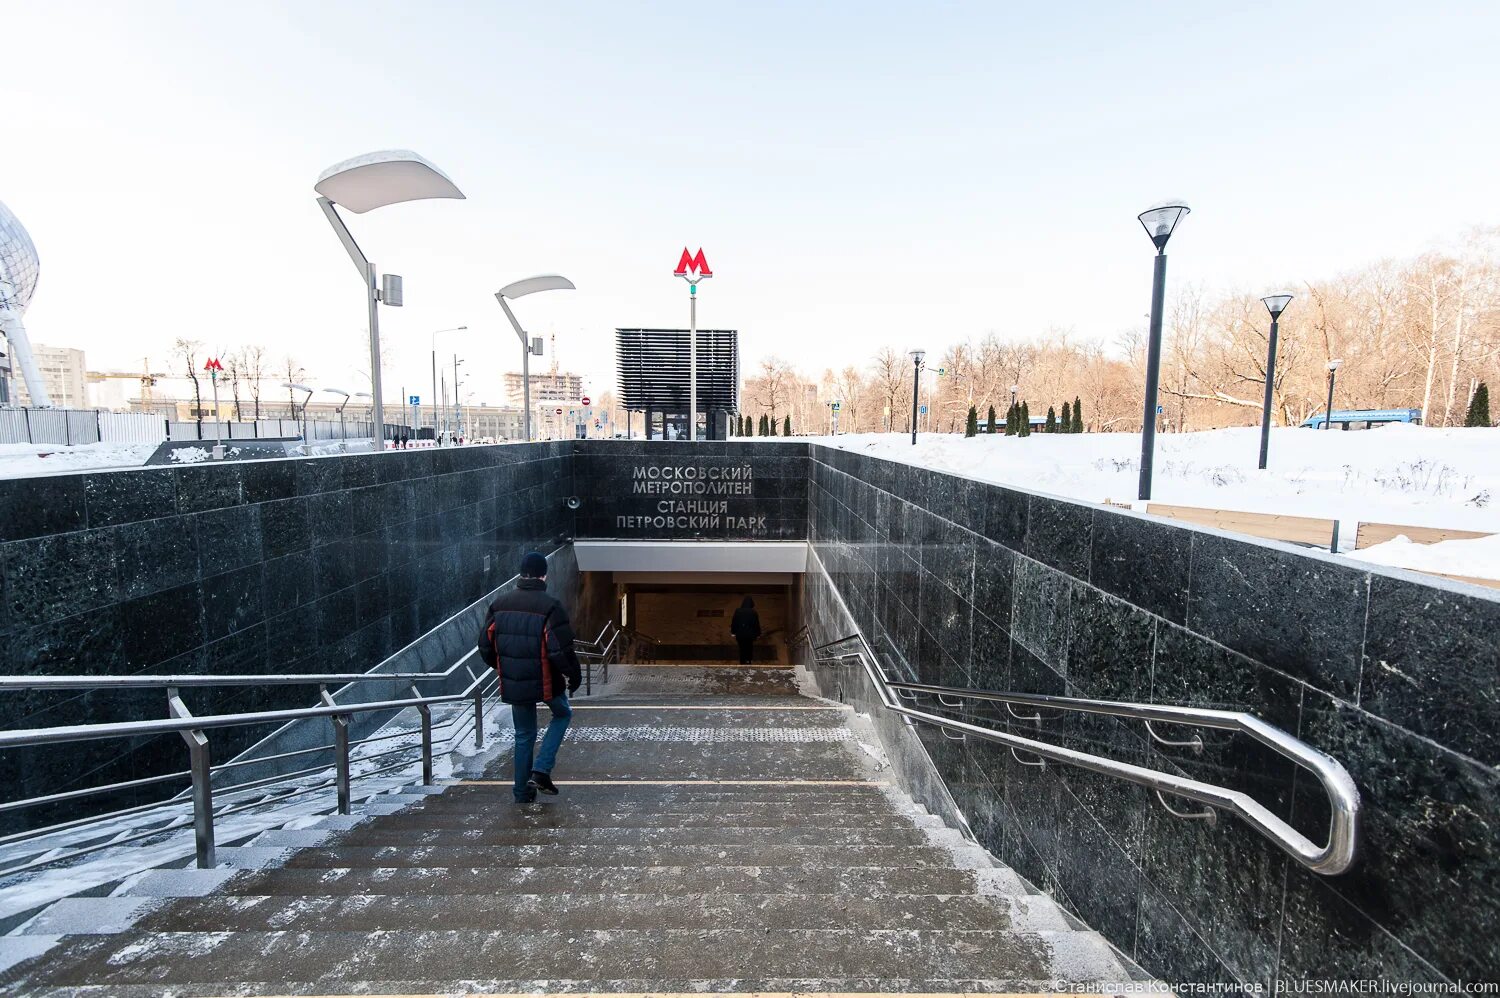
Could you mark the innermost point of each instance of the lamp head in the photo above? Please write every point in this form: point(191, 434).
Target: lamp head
point(377, 179)
point(1160, 220)
point(337, 391)
point(1335, 364)
point(531, 285)
point(1276, 304)
point(917, 356)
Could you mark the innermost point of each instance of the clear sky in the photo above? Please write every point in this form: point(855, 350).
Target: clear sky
point(859, 174)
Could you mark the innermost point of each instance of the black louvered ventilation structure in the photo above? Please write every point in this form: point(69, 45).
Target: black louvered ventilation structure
point(653, 374)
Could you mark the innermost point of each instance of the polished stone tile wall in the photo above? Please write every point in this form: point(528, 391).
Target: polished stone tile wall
point(313, 565)
point(676, 490)
point(966, 584)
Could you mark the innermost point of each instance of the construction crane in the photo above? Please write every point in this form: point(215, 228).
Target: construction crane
point(147, 379)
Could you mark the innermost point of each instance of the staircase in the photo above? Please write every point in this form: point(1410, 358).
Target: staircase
point(717, 831)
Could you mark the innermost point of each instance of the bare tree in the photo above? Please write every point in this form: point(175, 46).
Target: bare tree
point(888, 375)
point(295, 372)
point(187, 352)
point(252, 365)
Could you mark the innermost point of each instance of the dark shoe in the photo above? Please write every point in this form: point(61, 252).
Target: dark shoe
point(543, 782)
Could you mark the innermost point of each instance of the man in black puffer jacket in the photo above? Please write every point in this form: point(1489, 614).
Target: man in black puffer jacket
point(527, 639)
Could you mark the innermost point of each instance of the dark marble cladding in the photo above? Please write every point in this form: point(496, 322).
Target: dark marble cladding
point(778, 490)
point(1394, 677)
point(316, 565)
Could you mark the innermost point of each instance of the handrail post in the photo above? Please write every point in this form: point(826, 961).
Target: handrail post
point(426, 712)
point(200, 763)
point(340, 751)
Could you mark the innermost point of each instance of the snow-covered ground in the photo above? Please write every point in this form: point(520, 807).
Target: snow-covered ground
point(1394, 474)
point(25, 460)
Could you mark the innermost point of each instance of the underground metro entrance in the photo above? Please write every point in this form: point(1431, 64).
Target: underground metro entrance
point(684, 618)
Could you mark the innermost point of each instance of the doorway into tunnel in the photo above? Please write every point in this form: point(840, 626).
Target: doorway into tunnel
point(685, 618)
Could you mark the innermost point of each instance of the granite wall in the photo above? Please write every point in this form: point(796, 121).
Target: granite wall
point(312, 565)
point(675, 490)
point(966, 584)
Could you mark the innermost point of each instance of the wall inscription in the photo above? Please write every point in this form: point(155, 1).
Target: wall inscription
point(694, 497)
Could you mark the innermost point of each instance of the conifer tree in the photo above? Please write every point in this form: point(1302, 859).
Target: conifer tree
point(1010, 420)
point(1051, 424)
point(971, 427)
point(1077, 414)
point(990, 427)
point(1065, 424)
point(764, 430)
point(787, 431)
point(1479, 407)
point(1023, 421)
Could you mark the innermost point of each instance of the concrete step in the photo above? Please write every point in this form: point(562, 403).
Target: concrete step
point(585, 912)
point(689, 761)
point(560, 817)
point(853, 881)
point(843, 791)
point(661, 838)
point(596, 857)
point(341, 962)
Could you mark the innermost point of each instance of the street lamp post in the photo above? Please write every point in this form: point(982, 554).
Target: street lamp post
point(369, 405)
point(457, 410)
point(293, 386)
point(1159, 223)
point(435, 334)
point(917, 356)
point(343, 437)
point(530, 285)
point(1275, 304)
point(1333, 368)
point(361, 184)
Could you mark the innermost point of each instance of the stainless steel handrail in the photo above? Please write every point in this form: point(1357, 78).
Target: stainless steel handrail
point(602, 653)
point(150, 682)
point(1335, 856)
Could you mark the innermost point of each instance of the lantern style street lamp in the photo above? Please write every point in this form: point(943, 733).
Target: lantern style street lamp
point(1159, 223)
point(519, 289)
point(362, 184)
point(917, 356)
point(1275, 304)
point(1333, 368)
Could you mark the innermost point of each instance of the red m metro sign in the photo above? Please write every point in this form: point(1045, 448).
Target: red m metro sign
point(698, 265)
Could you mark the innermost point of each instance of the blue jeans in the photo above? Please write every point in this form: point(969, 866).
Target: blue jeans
point(524, 715)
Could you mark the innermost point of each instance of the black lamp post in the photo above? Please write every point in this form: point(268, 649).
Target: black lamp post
point(1159, 223)
point(916, 384)
point(1275, 304)
point(1333, 369)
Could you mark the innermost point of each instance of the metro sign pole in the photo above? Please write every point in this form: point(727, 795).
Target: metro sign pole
point(692, 269)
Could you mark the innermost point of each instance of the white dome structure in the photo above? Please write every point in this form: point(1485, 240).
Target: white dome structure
point(19, 269)
point(19, 265)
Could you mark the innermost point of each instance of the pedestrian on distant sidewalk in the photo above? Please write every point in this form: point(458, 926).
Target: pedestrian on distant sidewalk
point(746, 628)
point(528, 640)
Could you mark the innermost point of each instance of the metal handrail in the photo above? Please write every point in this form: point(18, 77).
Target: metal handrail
point(148, 682)
point(1335, 856)
point(192, 729)
point(603, 654)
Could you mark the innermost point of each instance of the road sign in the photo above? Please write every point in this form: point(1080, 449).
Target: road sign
point(559, 412)
point(837, 406)
point(414, 400)
point(1160, 409)
point(942, 371)
point(585, 400)
point(923, 410)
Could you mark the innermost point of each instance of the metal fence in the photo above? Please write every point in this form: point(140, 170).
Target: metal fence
point(67, 427)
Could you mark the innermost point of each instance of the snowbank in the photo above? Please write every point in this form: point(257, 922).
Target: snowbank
point(1394, 474)
point(26, 460)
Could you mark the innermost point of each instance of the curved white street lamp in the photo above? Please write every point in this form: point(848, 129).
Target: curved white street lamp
point(520, 289)
point(294, 386)
point(1275, 304)
point(340, 391)
point(362, 184)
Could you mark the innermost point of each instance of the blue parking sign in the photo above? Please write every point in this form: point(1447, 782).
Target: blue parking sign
point(414, 400)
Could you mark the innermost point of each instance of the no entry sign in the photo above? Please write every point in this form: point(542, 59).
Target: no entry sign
point(585, 400)
point(559, 412)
